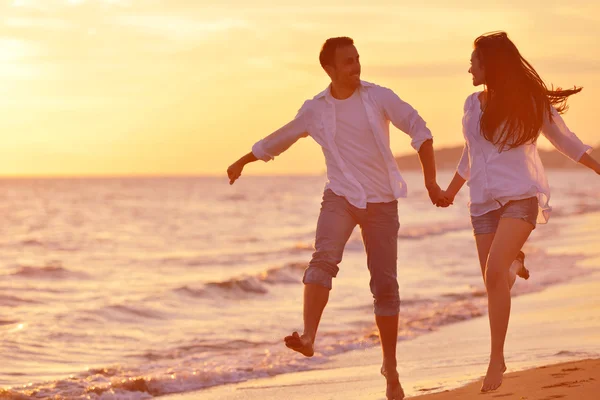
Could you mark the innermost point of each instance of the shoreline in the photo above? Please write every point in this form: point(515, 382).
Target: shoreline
point(453, 358)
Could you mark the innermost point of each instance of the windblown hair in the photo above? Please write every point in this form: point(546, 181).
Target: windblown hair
point(518, 100)
point(327, 54)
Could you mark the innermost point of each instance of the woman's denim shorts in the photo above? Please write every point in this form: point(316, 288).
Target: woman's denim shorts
point(526, 209)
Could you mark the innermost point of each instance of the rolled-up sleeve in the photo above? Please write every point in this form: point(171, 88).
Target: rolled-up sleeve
point(557, 132)
point(283, 138)
point(404, 117)
point(464, 166)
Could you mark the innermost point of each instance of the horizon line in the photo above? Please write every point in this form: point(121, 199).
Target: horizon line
point(148, 175)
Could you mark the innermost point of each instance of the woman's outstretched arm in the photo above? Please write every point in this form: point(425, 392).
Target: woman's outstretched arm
point(590, 162)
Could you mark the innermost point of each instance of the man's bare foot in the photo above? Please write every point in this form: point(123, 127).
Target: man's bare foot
point(493, 377)
point(393, 389)
point(302, 344)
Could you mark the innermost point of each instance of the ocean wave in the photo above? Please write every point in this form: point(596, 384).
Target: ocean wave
point(53, 270)
point(124, 386)
point(199, 347)
point(31, 243)
point(251, 284)
point(47, 244)
point(202, 364)
point(290, 273)
point(15, 301)
point(255, 284)
point(444, 313)
point(578, 354)
point(125, 312)
point(118, 382)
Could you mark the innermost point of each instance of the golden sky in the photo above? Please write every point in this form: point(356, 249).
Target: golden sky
point(119, 87)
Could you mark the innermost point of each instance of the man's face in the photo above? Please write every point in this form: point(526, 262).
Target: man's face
point(345, 70)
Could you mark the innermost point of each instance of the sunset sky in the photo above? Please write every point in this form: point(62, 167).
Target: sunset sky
point(130, 87)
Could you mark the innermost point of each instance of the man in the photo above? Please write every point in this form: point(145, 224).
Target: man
point(350, 120)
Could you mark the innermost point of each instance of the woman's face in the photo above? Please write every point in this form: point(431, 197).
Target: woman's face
point(476, 70)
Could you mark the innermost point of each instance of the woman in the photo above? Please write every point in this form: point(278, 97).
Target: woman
point(508, 187)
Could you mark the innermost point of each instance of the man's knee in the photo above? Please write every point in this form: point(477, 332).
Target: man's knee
point(387, 305)
point(318, 276)
point(386, 297)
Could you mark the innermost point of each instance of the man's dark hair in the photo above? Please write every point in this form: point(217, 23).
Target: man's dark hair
point(327, 54)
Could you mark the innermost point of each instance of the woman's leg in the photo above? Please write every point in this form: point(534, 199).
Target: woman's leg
point(484, 244)
point(511, 235)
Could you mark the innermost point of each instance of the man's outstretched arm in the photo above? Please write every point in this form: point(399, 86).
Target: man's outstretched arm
point(235, 170)
point(271, 146)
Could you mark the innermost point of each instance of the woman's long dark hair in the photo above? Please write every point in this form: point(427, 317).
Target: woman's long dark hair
point(518, 100)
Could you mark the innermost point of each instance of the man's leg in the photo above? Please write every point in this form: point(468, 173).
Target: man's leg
point(380, 235)
point(388, 334)
point(315, 300)
point(335, 225)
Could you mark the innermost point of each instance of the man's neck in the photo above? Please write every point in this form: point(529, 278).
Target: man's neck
point(340, 92)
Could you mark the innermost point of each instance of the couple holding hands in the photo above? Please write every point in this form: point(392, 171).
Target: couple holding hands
point(509, 192)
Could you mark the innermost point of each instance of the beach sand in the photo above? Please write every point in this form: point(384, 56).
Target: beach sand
point(557, 326)
point(578, 380)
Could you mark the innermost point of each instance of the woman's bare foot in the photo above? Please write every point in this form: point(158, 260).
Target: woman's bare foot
point(493, 377)
point(522, 272)
point(393, 389)
point(302, 344)
point(517, 268)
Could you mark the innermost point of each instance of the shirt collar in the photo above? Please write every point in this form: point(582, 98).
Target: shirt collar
point(327, 92)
